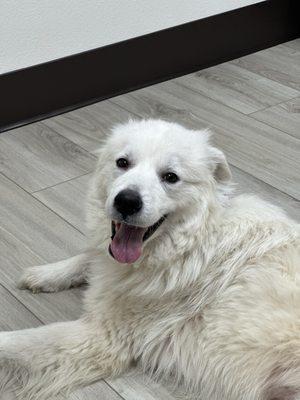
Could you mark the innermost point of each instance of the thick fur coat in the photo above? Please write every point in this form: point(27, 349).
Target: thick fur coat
point(212, 302)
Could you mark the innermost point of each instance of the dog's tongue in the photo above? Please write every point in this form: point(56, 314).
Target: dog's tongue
point(126, 245)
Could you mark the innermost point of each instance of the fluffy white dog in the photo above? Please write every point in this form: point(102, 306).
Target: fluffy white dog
point(196, 286)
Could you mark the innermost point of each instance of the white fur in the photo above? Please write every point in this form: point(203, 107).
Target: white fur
point(213, 303)
point(57, 276)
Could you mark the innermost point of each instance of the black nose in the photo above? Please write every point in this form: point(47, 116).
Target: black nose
point(128, 202)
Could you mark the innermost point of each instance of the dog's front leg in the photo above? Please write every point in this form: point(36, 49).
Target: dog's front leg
point(43, 362)
point(57, 276)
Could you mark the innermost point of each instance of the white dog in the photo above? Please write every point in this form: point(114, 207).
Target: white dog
point(196, 286)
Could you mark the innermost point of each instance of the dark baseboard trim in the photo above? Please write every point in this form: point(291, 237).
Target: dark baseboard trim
point(62, 85)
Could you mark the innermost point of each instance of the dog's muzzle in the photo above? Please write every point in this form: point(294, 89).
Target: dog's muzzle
point(127, 240)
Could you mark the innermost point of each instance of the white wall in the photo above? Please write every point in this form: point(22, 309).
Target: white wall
point(36, 31)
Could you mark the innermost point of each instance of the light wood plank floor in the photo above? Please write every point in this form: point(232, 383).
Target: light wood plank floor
point(251, 104)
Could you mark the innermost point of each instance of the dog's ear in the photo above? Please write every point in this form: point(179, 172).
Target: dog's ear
point(221, 170)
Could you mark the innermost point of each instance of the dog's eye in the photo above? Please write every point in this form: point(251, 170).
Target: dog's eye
point(170, 177)
point(122, 163)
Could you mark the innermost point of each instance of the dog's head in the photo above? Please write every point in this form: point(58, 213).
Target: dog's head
point(152, 174)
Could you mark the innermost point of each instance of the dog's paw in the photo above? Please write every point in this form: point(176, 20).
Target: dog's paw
point(52, 277)
point(39, 279)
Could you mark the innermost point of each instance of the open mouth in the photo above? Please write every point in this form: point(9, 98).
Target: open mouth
point(127, 240)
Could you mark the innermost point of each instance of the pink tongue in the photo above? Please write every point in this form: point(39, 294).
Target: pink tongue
point(126, 245)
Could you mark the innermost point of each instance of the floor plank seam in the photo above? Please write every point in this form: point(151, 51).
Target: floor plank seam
point(211, 99)
point(59, 183)
point(209, 126)
point(69, 140)
point(274, 105)
point(235, 110)
point(20, 302)
point(287, 133)
point(125, 109)
point(114, 390)
point(265, 183)
point(23, 244)
point(43, 204)
point(262, 76)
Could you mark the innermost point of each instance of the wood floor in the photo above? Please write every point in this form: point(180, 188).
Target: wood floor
point(251, 104)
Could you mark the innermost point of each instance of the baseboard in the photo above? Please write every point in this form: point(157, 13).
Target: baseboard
point(62, 85)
